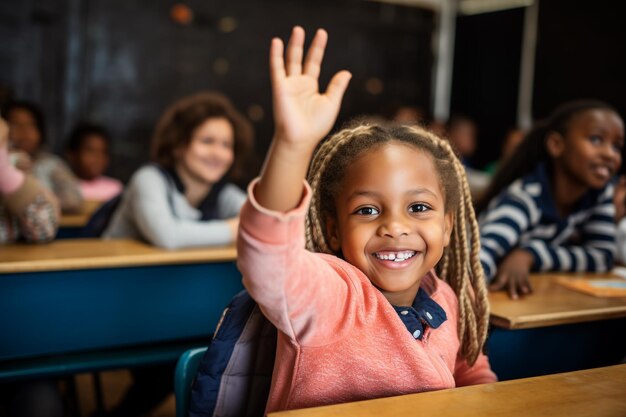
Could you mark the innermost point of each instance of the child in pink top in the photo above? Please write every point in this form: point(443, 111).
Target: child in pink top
point(87, 151)
point(389, 298)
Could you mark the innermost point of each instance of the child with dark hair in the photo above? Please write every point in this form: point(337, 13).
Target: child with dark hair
point(550, 207)
point(27, 134)
point(87, 151)
point(185, 198)
point(461, 131)
point(27, 210)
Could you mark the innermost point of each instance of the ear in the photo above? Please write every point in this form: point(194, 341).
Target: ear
point(447, 228)
point(555, 144)
point(334, 242)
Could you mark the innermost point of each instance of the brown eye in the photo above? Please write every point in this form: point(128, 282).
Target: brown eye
point(366, 211)
point(419, 208)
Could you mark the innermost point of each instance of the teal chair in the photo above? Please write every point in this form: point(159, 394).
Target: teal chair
point(186, 370)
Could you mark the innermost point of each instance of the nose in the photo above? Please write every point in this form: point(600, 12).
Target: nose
point(393, 226)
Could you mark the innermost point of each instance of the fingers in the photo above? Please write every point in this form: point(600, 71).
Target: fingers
point(337, 86)
point(514, 285)
point(511, 289)
point(277, 64)
point(315, 55)
point(525, 286)
point(294, 51)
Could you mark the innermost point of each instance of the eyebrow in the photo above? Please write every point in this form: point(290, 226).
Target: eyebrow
point(366, 193)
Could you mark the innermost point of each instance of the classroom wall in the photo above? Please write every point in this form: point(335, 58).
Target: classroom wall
point(581, 53)
point(120, 62)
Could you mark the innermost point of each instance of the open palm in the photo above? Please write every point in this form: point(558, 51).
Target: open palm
point(303, 116)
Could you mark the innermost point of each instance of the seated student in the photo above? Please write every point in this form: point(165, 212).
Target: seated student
point(27, 134)
point(362, 313)
point(87, 151)
point(27, 210)
point(461, 132)
point(185, 198)
point(550, 208)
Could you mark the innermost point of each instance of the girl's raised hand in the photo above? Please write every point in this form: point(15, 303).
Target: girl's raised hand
point(303, 116)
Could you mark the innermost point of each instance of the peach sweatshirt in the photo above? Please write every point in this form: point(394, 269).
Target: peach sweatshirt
point(339, 338)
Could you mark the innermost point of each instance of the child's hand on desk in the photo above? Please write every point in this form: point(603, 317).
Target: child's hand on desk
point(513, 274)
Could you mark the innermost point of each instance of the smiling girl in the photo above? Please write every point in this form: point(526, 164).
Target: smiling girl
point(550, 207)
point(362, 313)
point(184, 198)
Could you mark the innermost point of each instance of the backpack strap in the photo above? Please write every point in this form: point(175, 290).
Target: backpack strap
point(235, 374)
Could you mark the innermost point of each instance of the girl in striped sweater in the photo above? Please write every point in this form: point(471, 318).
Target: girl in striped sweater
point(550, 208)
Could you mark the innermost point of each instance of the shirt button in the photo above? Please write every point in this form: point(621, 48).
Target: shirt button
point(404, 312)
point(416, 334)
point(430, 317)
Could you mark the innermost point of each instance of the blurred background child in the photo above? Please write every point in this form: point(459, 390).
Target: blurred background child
point(462, 133)
point(183, 199)
point(550, 208)
point(87, 152)
point(27, 210)
point(27, 134)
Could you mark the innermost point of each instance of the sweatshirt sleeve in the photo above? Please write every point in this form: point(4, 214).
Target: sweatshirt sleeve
point(479, 373)
point(596, 250)
point(305, 295)
point(154, 217)
point(501, 229)
point(32, 209)
point(230, 201)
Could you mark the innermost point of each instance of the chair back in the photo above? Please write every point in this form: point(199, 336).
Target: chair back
point(186, 370)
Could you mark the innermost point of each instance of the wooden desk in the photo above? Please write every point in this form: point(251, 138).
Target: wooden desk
point(70, 254)
point(555, 329)
point(75, 297)
point(552, 304)
point(80, 219)
point(595, 392)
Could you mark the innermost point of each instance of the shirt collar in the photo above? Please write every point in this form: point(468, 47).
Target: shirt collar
point(423, 312)
point(541, 174)
point(208, 206)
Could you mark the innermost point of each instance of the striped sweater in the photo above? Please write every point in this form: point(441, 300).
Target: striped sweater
point(525, 216)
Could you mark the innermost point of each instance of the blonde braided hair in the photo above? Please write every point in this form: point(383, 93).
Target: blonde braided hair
point(460, 265)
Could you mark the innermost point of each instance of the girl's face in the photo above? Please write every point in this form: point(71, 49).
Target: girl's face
point(23, 132)
point(391, 221)
point(92, 157)
point(210, 153)
point(591, 151)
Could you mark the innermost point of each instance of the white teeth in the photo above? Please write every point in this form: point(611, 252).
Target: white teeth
point(395, 256)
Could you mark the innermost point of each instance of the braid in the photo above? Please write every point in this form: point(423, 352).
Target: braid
point(460, 265)
point(315, 236)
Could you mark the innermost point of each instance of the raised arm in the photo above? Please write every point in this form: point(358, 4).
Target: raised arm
point(302, 116)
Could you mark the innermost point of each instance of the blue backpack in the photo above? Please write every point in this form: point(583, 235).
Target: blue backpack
point(235, 373)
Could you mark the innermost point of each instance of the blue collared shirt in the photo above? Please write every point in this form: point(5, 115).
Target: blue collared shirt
point(424, 312)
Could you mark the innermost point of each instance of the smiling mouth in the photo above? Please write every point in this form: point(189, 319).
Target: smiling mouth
point(399, 256)
point(603, 171)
